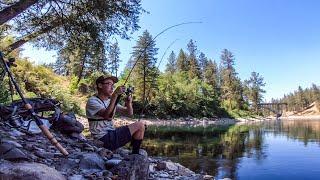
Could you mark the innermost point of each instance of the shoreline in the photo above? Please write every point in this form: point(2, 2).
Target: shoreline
point(121, 121)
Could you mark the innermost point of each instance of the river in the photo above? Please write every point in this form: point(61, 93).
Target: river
point(280, 149)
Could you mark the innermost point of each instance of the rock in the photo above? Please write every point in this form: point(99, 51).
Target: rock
point(112, 162)
point(88, 147)
point(76, 177)
point(133, 167)
point(16, 133)
point(29, 147)
point(171, 166)
point(151, 168)
point(34, 171)
point(78, 136)
point(123, 152)
point(208, 177)
point(143, 152)
point(91, 161)
point(164, 175)
point(161, 166)
point(103, 152)
point(183, 170)
point(11, 142)
point(43, 154)
point(67, 164)
point(8, 151)
point(107, 173)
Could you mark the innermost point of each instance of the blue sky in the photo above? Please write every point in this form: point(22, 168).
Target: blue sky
point(280, 39)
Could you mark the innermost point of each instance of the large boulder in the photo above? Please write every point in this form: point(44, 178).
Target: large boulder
point(28, 171)
point(91, 161)
point(132, 167)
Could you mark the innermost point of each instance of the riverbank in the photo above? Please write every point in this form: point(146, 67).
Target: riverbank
point(299, 117)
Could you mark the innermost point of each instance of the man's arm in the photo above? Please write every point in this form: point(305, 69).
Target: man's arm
point(106, 113)
point(126, 110)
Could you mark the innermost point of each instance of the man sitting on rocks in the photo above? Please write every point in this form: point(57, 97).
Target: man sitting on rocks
point(100, 110)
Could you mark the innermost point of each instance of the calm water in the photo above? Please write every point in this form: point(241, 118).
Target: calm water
point(267, 150)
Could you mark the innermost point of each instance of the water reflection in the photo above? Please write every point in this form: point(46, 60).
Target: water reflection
point(228, 151)
point(204, 150)
point(303, 130)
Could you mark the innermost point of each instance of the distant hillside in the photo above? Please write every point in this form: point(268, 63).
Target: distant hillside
point(312, 109)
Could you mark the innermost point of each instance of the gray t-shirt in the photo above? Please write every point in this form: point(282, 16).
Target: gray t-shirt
point(98, 128)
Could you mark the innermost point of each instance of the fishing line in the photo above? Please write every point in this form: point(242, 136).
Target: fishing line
point(143, 51)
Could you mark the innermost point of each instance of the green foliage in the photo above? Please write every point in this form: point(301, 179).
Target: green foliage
point(253, 90)
point(182, 61)
point(237, 113)
point(171, 66)
point(4, 93)
point(231, 86)
point(179, 96)
point(144, 74)
point(114, 59)
point(194, 68)
point(54, 23)
point(42, 82)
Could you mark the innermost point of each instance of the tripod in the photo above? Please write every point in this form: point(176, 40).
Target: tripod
point(28, 107)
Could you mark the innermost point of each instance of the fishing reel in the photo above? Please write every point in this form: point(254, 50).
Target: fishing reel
point(129, 91)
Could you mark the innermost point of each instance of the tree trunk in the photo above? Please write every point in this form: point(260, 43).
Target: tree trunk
point(31, 36)
point(12, 11)
point(81, 70)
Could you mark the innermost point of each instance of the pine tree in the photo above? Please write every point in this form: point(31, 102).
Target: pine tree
point(315, 92)
point(301, 98)
point(255, 91)
point(231, 87)
point(194, 69)
point(182, 61)
point(210, 74)
point(114, 59)
point(172, 63)
point(145, 72)
point(203, 62)
point(81, 60)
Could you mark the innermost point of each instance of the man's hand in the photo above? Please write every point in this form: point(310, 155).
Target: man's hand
point(119, 90)
point(129, 99)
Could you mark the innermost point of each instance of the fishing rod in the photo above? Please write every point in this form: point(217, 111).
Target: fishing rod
point(30, 109)
point(143, 51)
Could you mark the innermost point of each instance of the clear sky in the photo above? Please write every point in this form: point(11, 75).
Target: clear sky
point(280, 39)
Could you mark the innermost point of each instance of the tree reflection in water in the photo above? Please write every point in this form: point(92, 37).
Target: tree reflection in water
point(212, 150)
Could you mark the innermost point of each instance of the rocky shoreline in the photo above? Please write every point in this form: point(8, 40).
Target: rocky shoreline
point(31, 156)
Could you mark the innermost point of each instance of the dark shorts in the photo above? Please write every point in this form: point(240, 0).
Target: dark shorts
point(116, 138)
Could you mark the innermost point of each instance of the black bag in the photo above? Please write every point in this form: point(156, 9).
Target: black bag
point(48, 109)
point(67, 123)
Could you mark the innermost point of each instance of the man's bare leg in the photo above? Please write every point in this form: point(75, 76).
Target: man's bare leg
point(137, 132)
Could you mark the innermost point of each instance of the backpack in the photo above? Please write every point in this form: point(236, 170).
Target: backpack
point(46, 109)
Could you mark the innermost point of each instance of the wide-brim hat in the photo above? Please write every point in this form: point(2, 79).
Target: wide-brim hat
point(102, 78)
